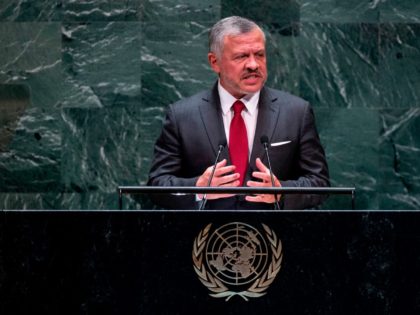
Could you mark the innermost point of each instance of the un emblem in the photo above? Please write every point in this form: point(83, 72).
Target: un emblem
point(236, 259)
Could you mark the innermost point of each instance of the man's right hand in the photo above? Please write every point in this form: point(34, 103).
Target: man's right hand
point(224, 176)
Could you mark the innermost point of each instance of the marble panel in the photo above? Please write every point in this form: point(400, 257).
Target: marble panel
point(174, 62)
point(30, 52)
point(28, 201)
point(108, 10)
point(32, 161)
point(169, 11)
point(31, 56)
point(278, 16)
point(30, 11)
point(339, 64)
point(102, 10)
point(102, 148)
point(350, 140)
point(102, 63)
point(71, 201)
point(14, 99)
point(400, 11)
point(99, 200)
point(282, 63)
point(151, 120)
point(340, 11)
point(27, 46)
point(399, 65)
point(400, 158)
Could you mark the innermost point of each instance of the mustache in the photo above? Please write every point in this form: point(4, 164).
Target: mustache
point(252, 72)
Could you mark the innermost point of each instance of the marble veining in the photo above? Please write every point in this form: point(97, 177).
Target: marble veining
point(84, 86)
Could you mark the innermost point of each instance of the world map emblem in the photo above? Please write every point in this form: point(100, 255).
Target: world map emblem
point(237, 259)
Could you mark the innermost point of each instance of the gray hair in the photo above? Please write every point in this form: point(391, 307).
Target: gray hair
point(233, 25)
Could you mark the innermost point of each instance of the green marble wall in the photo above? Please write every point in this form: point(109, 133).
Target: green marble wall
point(84, 86)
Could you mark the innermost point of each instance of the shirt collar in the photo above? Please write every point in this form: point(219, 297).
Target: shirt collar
point(226, 100)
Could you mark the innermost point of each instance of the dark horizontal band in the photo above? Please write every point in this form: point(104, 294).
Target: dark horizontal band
point(235, 190)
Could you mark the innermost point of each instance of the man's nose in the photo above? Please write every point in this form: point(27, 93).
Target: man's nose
point(251, 63)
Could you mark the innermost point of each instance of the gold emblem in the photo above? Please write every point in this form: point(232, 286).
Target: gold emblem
point(236, 259)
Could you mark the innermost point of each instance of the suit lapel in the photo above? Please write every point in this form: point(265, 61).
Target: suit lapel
point(266, 125)
point(211, 115)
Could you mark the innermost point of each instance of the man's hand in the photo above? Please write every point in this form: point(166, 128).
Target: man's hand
point(264, 176)
point(223, 177)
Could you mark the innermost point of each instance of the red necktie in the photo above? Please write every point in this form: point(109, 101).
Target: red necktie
point(238, 141)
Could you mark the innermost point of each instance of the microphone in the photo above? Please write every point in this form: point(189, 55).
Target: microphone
point(222, 145)
point(264, 142)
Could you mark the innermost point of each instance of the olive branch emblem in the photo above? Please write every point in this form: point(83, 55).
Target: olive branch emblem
point(258, 287)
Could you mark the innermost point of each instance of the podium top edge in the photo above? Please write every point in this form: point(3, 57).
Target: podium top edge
point(238, 190)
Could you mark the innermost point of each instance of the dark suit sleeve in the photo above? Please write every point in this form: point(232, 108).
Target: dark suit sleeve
point(166, 169)
point(311, 164)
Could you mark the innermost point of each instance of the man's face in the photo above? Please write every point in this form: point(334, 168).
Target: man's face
point(242, 65)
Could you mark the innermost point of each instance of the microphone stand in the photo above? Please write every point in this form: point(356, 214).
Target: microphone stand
point(204, 200)
point(264, 141)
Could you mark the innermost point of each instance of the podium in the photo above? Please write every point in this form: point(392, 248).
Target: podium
point(184, 190)
point(149, 262)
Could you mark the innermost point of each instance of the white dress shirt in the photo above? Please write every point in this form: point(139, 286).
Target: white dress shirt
point(249, 114)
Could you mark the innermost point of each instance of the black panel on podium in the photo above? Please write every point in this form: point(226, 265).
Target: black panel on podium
point(141, 262)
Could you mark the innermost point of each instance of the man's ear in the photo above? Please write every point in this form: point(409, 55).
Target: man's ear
point(213, 62)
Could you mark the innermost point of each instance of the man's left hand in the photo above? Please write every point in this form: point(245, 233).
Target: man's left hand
point(264, 175)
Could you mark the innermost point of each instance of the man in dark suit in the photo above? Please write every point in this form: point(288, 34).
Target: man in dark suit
point(239, 111)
